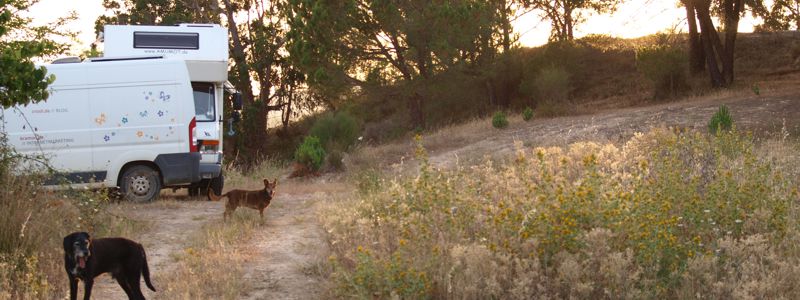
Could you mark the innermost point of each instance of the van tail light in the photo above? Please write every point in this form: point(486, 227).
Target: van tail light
point(209, 146)
point(193, 135)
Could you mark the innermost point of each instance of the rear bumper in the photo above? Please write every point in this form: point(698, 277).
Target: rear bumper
point(179, 168)
point(209, 170)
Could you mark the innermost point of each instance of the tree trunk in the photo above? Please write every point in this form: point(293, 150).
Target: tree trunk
point(568, 23)
point(696, 54)
point(504, 14)
point(711, 43)
point(732, 10)
point(287, 111)
point(239, 57)
point(415, 111)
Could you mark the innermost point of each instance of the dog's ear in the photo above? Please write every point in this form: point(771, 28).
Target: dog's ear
point(274, 182)
point(266, 182)
point(68, 240)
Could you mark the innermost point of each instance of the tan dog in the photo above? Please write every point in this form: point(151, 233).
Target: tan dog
point(258, 200)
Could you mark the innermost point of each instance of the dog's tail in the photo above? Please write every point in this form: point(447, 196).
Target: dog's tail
point(214, 197)
point(146, 271)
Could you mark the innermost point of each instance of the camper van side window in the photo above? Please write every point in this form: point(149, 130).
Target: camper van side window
point(204, 101)
point(166, 40)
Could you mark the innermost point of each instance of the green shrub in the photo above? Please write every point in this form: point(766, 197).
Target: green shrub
point(336, 131)
point(665, 66)
point(310, 153)
point(549, 84)
point(527, 114)
point(499, 120)
point(720, 121)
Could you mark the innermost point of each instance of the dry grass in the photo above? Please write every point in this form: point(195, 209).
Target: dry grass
point(269, 169)
point(211, 267)
point(33, 223)
point(668, 214)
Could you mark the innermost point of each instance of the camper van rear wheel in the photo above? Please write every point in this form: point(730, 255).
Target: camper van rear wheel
point(140, 183)
point(217, 184)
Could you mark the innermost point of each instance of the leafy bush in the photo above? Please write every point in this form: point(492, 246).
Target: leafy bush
point(667, 215)
point(721, 120)
point(665, 66)
point(310, 153)
point(499, 120)
point(527, 114)
point(549, 84)
point(336, 131)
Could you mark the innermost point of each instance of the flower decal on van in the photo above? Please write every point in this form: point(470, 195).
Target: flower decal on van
point(124, 120)
point(101, 119)
point(143, 114)
point(139, 133)
point(106, 138)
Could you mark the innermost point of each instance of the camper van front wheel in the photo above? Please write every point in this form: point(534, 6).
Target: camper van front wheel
point(140, 184)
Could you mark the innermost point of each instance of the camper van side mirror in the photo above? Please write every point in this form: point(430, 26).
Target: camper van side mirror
point(237, 101)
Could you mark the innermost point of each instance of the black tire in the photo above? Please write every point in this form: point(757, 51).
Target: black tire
point(194, 189)
point(217, 184)
point(202, 190)
point(140, 183)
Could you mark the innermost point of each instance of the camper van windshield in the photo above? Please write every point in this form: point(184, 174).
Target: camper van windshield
point(203, 101)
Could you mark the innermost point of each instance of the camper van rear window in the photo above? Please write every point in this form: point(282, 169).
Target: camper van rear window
point(166, 40)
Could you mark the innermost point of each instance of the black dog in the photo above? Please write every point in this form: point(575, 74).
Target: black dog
point(85, 258)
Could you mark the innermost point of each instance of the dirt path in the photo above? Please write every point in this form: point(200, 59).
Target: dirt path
point(171, 223)
point(282, 258)
point(287, 251)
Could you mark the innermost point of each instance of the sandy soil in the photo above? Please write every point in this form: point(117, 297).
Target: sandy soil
point(282, 258)
point(170, 223)
point(286, 253)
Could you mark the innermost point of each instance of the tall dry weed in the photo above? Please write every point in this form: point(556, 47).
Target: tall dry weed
point(33, 222)
point(668, 214)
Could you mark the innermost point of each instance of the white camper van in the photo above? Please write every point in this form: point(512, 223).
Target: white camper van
point(146, 116)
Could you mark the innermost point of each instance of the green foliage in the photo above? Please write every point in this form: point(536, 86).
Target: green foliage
point(389, 41)
point(336, 130)
point(781, 15)
point(756, 89)
point(379, 278)
point(499, 120)
point(564, 15)
point(21, 82)
point(626, 221)
point(527, 114)
point(163, 12)
point(721, 120)
point(666, 67)
point(310, 153)
point(549, 84)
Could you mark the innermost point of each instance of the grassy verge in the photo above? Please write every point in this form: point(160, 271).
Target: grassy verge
point(668, 214)
point(211, 266)
point(33, 223)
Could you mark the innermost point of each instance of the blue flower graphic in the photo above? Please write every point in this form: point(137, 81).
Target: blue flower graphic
point(106, 138)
